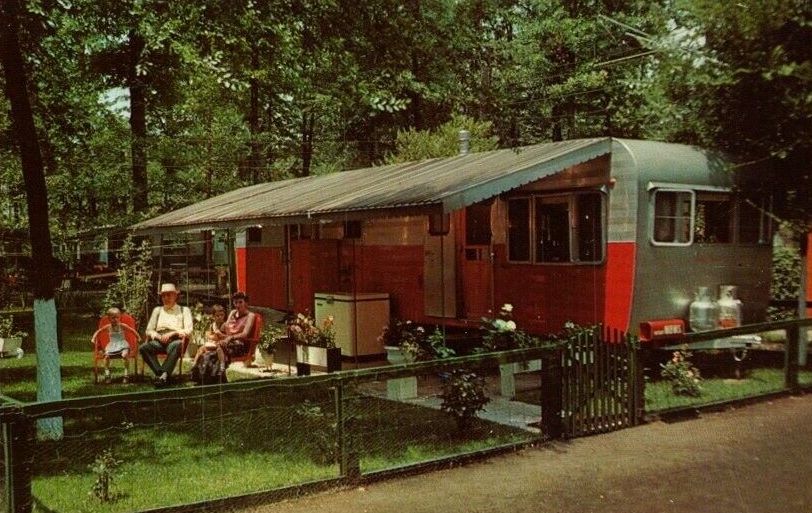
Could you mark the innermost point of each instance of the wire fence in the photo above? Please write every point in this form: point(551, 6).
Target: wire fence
point(249, 442)
point(229, 447)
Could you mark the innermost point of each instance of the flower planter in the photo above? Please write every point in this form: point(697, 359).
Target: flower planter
point(507, 378)
point(395, 356)
point(9, 346)
point(400, 389)
point(327, 358)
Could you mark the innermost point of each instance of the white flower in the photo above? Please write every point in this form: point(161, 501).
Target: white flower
point(510, 325)
point(507, 308)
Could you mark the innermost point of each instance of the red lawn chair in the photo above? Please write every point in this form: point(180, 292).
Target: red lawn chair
point(252, 341)
point(104, 338)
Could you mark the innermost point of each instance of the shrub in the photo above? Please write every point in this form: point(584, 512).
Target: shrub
point(501, 332)
point(681, 373)
point(104, 468)
point(785, 279)
point(134, 281)
point(463, 396)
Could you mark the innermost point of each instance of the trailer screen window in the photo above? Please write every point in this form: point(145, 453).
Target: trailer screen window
point(713, 218)
point(519, 230)
point(672, 217)
point(683, 217)
point(552, 229)
point(589, 228)
point(558, 228)
point(755, 224)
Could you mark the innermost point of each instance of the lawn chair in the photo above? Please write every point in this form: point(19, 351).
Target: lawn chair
point(103, 339)
point(252, 342)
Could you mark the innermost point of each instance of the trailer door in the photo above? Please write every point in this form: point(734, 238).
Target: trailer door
point(476, 261)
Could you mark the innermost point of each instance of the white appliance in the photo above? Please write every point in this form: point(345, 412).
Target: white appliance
point(359, 319)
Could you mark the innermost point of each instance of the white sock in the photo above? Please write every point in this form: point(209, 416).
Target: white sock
point(164, 376)
point(106, 372)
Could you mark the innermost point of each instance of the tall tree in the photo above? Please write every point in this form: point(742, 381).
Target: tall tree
point(49, 385)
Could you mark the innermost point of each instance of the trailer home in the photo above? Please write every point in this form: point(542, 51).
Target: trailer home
point(604, 230)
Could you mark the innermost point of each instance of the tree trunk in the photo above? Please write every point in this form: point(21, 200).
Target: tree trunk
point(308, 122)
point(138, 125)
point(49, 383)
point(255, 159)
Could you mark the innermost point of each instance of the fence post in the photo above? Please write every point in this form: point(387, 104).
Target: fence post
point(18, 447)
point(791, 358)
point(349, 464)
point(551, 394)
point(637, 378)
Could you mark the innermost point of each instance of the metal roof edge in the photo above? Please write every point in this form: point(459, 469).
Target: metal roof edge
point(491, 188)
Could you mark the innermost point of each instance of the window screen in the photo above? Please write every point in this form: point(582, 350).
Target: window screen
point(552, 229)
point(672, 217)
point(519, 230)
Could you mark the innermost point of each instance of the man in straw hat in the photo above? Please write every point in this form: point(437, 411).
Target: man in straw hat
point(168, 325)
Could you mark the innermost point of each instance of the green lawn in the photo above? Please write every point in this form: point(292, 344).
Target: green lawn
point(18, 377)
point(179, 451)
point(757, 381)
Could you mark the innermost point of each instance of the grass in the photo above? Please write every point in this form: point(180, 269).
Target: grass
point(18, 377)
point(238, 446)
point(181, 451)
point(757, 381)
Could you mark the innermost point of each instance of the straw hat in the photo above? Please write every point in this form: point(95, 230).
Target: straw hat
point(167, 288)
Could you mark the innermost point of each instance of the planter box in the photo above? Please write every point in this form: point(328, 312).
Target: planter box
point(326, 358)
point(399, 389)
point(507, 378)
point(9, 346)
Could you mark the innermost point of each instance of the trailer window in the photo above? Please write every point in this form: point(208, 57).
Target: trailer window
point(519, 230)
point(713, 218)
point(589, 227)
point(755, 223)
point(556, 228)
point(672, 217)
point(552, 229)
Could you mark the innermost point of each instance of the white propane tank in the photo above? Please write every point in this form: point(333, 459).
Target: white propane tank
point(704, 311)
point(730, 308)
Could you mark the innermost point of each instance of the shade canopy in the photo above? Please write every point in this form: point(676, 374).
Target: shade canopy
point(423, 187)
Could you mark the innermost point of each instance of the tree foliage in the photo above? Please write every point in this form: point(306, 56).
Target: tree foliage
point(145, 106)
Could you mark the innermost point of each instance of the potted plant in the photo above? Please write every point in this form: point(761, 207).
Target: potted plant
point(406, 342)
point(501, 334)
point(10, 340)
point(315, 345)
point(272, 333)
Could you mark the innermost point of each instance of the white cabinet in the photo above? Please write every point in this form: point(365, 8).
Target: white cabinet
point(359, 319)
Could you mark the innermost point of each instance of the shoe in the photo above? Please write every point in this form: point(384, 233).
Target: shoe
point(160, 382)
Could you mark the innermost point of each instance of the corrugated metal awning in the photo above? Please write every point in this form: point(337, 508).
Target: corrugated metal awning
point(434, 185)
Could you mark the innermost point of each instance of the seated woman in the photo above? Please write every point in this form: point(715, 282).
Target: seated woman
point(238, 327)
point(228, 338)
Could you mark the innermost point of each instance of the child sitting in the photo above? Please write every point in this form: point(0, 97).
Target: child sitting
point(117, 347)
point(214, 335)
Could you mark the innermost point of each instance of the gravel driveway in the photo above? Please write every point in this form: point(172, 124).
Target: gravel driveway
point(755, 459)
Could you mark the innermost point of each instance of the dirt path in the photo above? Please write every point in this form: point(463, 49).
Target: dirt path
point(757, 459)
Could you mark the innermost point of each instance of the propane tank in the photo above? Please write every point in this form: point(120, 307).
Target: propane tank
point(730, 308)
point(704, 311)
